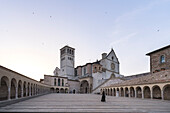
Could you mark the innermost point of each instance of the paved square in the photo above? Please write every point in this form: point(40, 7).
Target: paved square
point(87, 103)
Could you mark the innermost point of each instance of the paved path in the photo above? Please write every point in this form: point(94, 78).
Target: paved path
point(87, 103)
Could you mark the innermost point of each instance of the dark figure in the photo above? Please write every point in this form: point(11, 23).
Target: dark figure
point(103, 97)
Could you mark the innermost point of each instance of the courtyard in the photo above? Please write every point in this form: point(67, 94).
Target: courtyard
point(55, 102)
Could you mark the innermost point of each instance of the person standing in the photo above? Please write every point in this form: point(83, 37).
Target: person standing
point(103, 99)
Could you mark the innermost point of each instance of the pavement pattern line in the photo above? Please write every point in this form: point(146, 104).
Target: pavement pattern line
point(87, 103)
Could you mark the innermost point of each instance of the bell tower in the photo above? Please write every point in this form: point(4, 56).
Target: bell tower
point(67, 61)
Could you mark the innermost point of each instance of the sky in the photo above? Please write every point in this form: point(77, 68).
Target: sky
point(32, 32)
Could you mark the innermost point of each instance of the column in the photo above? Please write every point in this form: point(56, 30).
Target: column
point(30, 90)
point(26, 89)
point(162, 94)
point(142, 93)
point(124, 92)
point(135, 93)
point(22, 94)
point(129, 92)
point(9, 92)
point(151, 94)
point(16, 92)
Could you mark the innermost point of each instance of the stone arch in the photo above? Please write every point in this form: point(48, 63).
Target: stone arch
point(52, 90)
point(108, 91)
point(114, 92)
point(122, 92)
point(156, 92)
point(61, 90)
point(132, 92)
point(166, 92)
point(4, 88)
point(84, 87)
point(138, 92)
point(111, 92)
point(147, 92)
point(28, 89)
point(126, 92)
point(19, 89)
point(66, 90)
point(13, 88)
point(57, 90)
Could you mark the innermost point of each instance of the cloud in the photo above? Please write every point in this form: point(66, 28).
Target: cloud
point(127, 37)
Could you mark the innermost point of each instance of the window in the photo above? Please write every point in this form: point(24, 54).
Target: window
point(162, 59)
point(58, 82)
point(95, 69)
point(112, 57)
point(84, 70)
point(62, 82)
point(54, 81)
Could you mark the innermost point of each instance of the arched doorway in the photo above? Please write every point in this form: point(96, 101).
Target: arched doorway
point(156, 92)
point(132, 92)
point(84, 87)
point(122, 92)
point(66, 90)
point(19, 88)
point(61, 90)
point(24, 89)
point(108, 91)
point(138, 92)
point(114, 92)
point(4, 88)
point(57, 90)
point(28, 89)
point(147, 92)
point(13, 88)
point(166, 91)
point(52, 90)
point(126, 92)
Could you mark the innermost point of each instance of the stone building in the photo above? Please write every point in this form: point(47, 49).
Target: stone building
point(153, 85)
point(93, 77)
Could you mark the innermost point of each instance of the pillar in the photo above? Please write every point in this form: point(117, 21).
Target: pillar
point(16, 92)
point(135, 93)
point(22, 92)
point(162, 94)
point(142, 93)
point(129, 92)
point(9, 92)
point(26, 89)
point(124, 92)
point(151, 94)
point(30, 90)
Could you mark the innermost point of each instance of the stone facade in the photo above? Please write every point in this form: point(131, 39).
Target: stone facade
point(160, 59)
point(154, 85)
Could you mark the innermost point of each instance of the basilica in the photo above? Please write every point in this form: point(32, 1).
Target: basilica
point(86, 78)
point(93, 77)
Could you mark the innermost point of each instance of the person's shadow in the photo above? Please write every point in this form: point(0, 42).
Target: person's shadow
point(103, 99)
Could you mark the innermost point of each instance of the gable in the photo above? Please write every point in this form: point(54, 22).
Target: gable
point(112, 56)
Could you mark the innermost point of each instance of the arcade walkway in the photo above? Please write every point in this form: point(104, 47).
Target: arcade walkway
point(87, 103)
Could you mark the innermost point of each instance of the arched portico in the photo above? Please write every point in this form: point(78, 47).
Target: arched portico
point(132, 92)
point(4, 83)
point(138, 92)
point(156, 92)
point(166, 90)
point(84, 87)
point(13, 89)
point(146, 92)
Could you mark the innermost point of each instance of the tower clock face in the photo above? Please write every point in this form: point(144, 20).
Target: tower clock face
point(112, 66)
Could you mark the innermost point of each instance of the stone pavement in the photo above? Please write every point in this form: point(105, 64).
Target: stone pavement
point(87, 103)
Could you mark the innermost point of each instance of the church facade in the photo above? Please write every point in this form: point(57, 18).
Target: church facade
point(86, 78)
